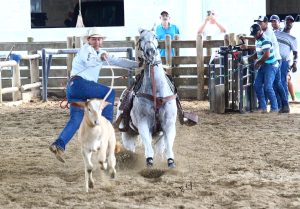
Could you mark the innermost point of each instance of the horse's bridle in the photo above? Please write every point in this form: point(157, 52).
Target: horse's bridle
point(144, 53)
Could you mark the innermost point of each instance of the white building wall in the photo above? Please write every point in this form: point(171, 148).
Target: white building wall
point(186, 14)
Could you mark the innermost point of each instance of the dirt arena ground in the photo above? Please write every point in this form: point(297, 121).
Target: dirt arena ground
point(227, 161)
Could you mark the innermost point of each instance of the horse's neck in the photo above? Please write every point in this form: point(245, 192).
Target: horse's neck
point(162, 86)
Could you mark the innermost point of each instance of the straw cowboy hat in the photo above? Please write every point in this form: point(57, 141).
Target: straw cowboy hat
point(95, 32)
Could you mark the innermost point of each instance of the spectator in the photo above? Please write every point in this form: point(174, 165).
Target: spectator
point(287, 44)
point(288, 22)
point(275, 22)
point(212, 27)
point(84, 85)
point(282, 99)
point(266, 65)
point(166, 28)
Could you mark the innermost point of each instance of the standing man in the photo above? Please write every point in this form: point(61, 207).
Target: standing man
point(166, 28)
point(275, 22)
point(282, 99)
point(84, 85)
point(267, 64)
point(288, 43)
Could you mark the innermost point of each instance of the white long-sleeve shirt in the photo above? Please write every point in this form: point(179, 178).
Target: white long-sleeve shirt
point(87, 63)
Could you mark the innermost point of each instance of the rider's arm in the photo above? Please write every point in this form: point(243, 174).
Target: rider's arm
point(121, 62)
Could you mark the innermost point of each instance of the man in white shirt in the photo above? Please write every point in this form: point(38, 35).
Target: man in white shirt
point(212, 27)
point(84, 85)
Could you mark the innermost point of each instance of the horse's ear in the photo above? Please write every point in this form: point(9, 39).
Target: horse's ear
point(140, 30)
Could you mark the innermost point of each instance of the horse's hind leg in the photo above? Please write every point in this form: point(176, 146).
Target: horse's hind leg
point(88, 167)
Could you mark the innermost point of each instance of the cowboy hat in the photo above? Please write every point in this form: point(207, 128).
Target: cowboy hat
point(95, 32)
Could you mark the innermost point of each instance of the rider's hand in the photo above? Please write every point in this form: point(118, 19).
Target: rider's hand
point(104, 56)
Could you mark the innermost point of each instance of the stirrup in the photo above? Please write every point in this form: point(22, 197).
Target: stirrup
point(190, 118)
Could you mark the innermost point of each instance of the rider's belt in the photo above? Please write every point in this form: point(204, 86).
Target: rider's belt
point(75, 78)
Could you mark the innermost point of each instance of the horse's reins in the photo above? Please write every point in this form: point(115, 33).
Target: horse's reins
point(153, 97)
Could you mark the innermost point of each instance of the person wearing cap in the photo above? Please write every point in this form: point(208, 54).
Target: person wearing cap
point(288, 22)
point(83, 85)
point(282, 99)
point(166, 28)
point(266, 63)
point(275, 22)
point(212, 27)
point(287, 44)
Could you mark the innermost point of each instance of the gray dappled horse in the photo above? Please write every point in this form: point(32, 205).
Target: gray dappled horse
point(154, 105)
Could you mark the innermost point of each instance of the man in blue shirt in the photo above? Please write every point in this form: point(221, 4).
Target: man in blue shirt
point(83, 85)
point(166, 28)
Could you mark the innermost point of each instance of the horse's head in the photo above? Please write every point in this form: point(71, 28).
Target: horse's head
point(148, 45)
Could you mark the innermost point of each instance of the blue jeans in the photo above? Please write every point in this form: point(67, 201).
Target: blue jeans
point(79, 89)
point(284, 72)
point(282, 99)
point(264, 82)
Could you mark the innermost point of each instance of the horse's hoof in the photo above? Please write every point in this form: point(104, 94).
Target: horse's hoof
point(149, 162)
point(91, 185)
point(171, 163)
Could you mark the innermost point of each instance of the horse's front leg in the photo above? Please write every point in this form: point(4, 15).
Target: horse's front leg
point(88, 168)
point(146, 137)
point(169, 128)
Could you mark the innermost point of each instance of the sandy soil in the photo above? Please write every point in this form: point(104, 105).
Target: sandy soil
point(227, 161)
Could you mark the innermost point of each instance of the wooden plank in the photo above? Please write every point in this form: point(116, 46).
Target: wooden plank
point(33, 46)
point(177, 71)
point(213, 43)
point(184, 60)
point(7, 73)
point(25, 46)
point(188, 81)
point(184, 44)
point(190, 93)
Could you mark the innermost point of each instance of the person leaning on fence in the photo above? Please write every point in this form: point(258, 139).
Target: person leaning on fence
point(83, 85)
point(266, 63)
point(282, 99)
point(166, 28)
point(212, 27)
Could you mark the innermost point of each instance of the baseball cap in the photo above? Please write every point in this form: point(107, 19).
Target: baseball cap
point(289, 17)
point(254, 28)
point(164, 13)
point(274, 17)
point(261, 18)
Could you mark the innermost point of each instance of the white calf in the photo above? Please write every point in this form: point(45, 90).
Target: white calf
point(97, 134)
